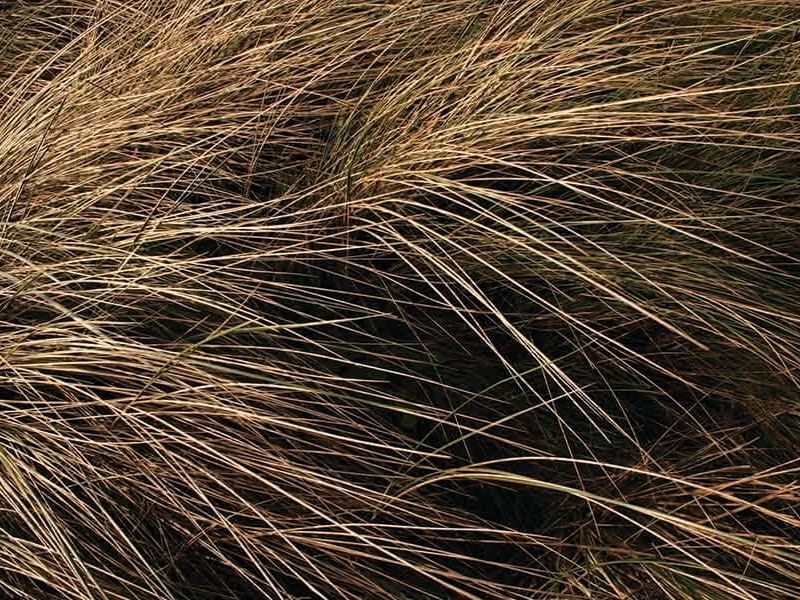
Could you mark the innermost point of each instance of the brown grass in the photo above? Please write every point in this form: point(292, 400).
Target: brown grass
point(456, 299)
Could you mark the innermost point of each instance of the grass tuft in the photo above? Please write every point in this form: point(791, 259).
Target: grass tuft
point(392, 300)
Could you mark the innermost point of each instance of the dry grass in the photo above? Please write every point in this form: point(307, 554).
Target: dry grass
point(455, 299)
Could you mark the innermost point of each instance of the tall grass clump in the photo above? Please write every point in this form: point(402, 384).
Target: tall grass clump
point(488, 299)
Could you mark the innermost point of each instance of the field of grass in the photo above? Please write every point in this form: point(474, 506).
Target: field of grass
point(400, 299)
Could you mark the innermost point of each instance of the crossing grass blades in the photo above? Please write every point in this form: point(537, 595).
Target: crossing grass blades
point(399, 300)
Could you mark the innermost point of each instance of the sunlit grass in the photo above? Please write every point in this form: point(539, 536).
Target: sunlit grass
point(456, 299)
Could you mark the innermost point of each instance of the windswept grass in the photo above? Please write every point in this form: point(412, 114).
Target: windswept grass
point(392, 300)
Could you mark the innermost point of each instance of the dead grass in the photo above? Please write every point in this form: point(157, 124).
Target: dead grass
point(457, 299)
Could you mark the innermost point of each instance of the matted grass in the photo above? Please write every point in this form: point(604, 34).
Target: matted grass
point(391, 300)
